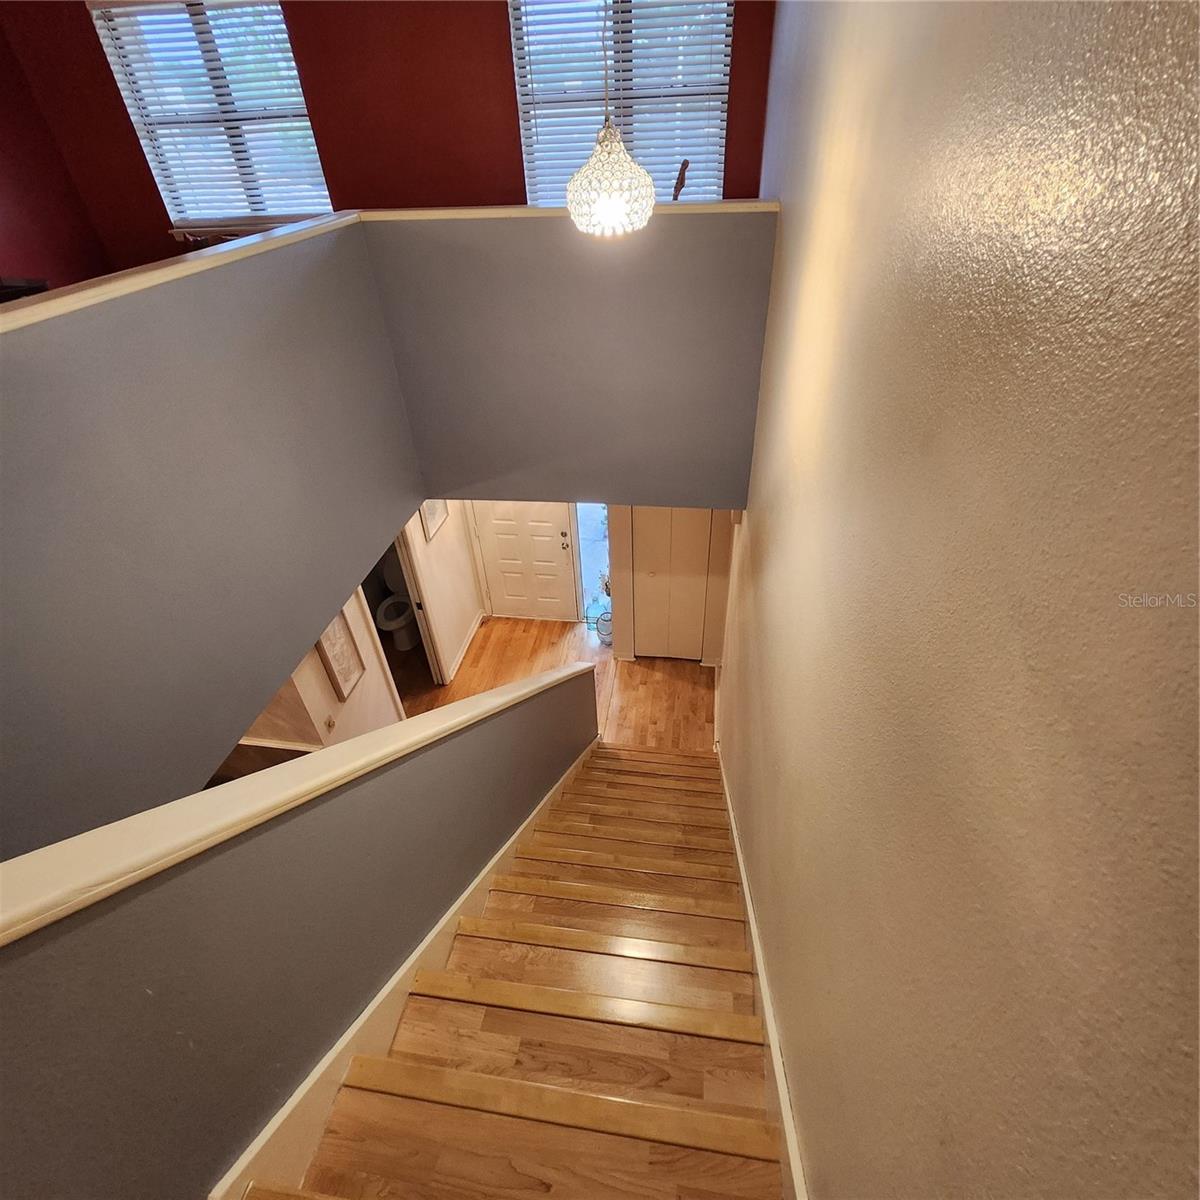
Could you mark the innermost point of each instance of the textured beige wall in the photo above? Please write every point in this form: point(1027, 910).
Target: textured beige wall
point(963, 769)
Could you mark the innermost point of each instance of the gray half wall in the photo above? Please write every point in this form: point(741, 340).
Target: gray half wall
point(147, 1039)
point(195, 477)
point(541, 364)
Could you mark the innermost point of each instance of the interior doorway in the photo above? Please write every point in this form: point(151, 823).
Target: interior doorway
point(594, 579)
point(527, 559)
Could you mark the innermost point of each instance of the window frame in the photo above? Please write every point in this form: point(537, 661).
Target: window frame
point(624, 95)
point(228, 119)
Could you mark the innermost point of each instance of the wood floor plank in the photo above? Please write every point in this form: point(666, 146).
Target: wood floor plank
point(602, 974)
point(632, 832)
point(601, 760)
point(641, 810)
point(621, 922)
point(675, 885)
point(377, 1146)
point(617, 1010)
point(616, 792)
point(649, 1121)
point(662, 703)
point(627, 862)
point(599, 943)
point(594, 893)
point(657, 782)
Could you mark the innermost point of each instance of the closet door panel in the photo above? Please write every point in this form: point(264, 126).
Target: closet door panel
point(651, 581)
point(690, 528)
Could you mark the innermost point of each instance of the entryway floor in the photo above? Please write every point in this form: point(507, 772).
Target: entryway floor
point(663, 703)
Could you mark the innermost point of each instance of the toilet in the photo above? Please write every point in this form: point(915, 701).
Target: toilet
point(395, 615)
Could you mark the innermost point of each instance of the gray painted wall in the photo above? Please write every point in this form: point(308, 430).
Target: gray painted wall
point(540, 364)
point(195, 477)
point(147, 1039)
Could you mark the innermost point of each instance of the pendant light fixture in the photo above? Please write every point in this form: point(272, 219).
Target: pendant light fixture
point(610, 194)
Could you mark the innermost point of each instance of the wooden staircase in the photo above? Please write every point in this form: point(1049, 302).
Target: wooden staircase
point(594, 1032)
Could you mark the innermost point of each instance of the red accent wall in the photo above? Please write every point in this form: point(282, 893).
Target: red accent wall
point(44, 230)
point(412, 104)
point(749, 69)
point(61, 57)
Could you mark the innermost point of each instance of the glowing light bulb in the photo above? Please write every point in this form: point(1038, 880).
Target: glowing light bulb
point(610, 194)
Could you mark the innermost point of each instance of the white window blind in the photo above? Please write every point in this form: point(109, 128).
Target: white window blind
point(213, 93)
point(668, 67)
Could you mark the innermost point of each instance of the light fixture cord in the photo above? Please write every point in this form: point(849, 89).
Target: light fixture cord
point(604, 52)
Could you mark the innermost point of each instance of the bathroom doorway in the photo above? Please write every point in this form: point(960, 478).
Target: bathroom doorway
point(394, 600)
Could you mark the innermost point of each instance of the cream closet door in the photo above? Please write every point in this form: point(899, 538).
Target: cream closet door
point(670, 581)
point(528, 563)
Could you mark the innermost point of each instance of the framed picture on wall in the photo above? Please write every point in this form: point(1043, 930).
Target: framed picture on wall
point(433, 517)
point(340, 654)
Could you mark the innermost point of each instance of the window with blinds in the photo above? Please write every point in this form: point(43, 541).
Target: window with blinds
point(668, 70)
point(213, 93)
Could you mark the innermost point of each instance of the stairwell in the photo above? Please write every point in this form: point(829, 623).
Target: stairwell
point(594, 1032)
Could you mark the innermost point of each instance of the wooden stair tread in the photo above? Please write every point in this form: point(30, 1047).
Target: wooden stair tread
point(602, 974)
point(627, 862)
point(615, 1010)
point(665, 783)
point(626, 831)
point(619, 922)
point(616, 1060)
point(641, 810)
point(262, 1191)
point(604, 761)
point(657, 752)
point(601, 943)
point(675, 885)
point(583, 787)
point(379, 1145)
point(746, 1137)
point(620, 897)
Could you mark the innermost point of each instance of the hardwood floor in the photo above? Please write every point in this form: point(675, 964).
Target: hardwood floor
point(593, 1034)
point(654, 703)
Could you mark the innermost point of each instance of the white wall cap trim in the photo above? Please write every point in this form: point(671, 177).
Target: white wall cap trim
point(56, 303)
point(46, 885)
point(529, 210)
point(18, 313)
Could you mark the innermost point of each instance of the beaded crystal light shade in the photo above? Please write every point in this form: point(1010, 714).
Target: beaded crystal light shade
point(610, 194)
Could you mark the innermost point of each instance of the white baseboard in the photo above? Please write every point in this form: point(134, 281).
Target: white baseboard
point(281, 1152)
point(779, 1101)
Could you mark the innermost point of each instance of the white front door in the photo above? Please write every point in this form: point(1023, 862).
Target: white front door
point(528, 558)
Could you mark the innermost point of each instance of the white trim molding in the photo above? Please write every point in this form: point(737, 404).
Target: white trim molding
point(46, 885)
point(793, 1167)
point(30, 310)
point(18, 313)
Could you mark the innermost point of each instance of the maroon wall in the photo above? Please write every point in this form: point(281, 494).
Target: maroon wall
point(412, 105)
point(61, 56)
point(44, 230)
point(749, 69)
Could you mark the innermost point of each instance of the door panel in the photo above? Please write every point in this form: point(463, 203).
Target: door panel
point(651, 581)
point(670, 580)
point(528, 563)
point(689, 581)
